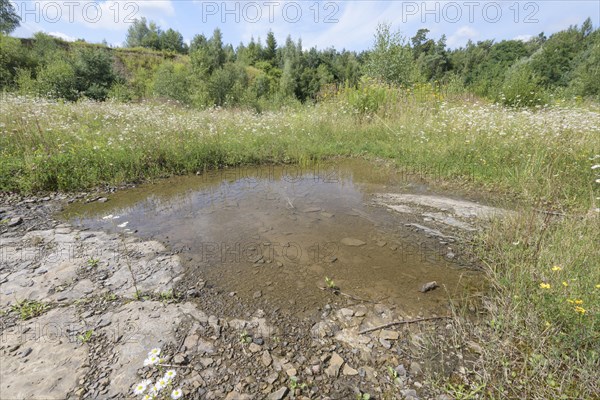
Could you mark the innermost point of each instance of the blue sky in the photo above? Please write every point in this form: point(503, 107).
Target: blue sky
point(348, 24)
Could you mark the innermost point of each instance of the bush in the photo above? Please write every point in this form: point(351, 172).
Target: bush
point(226, 85)
point(174, 81)
point(94, 71)
point(57, 80)
point(12, 57)
point(521, 87)
point(121, 92)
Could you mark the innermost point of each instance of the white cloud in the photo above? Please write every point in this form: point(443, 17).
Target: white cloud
point(523, 38)
point(104, 14)
point(62, 36)
point(461, 36)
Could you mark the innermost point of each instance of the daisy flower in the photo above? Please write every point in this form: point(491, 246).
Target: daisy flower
point(140, 387)
point(154, 352)
point(153, 391)
point(161, 383)
point(170, 374)
point(151, 360)
point(176, 394)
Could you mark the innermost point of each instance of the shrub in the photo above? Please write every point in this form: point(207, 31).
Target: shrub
point(174, 81)
point(57, 80)
point(521, 87)
point(94, 72)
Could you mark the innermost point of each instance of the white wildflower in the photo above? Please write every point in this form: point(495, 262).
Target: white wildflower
point(170, 374)
point(176, 394)
point(140, 387)
point(151, 360)
point(154, 352)
point(161, 383)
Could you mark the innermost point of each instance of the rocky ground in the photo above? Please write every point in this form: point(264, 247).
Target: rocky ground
point(80, 310)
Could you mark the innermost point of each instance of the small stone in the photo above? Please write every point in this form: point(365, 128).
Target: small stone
point(312, 209)
point(232, 294)
point(409, 394)
point(266, 359)
point(352, 242)
point(389, 335)
point(385, 343)
point(259, 341)
point(206, 361)
point(272, 378)
point(291, 372)
point(26, 352)
point(347, 312)
point(254, 348)
point(401, 371)
point(257, 294)
point(349, 371)
point(179, 359)
point(191, 342)
point(429, 286)
point(334, 365)
point(14, 221)
point(102, 200)
point(278, 395)
point(474, 347)
point(450, 255)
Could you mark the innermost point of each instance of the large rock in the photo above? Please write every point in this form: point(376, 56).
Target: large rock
point(138, 327)
point(48, 361)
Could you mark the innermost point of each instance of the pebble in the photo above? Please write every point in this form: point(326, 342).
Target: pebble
point(352, 242)
point(266, 359)
point(14, 221)
point(279, 394)
point(389, 335)
point(335, 363)
point(349, 371)
point(429, 286)
point(254, 348)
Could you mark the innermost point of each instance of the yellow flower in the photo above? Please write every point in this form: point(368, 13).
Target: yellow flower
point(580, 310)
point(597, 286)
point(556, 268)
point(565, 284)
point(545, 285)
point(575, 301)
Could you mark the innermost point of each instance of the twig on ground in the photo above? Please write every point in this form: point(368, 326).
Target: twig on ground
point(409, 321)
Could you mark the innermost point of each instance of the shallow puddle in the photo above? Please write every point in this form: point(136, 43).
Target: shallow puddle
point(272, 234)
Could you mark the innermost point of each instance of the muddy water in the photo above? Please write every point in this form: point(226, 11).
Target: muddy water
point(272, 234)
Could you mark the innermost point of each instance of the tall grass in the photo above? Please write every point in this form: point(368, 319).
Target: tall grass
point(535, 342)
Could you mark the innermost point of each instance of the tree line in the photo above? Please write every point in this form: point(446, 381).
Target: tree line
point(209, 72)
